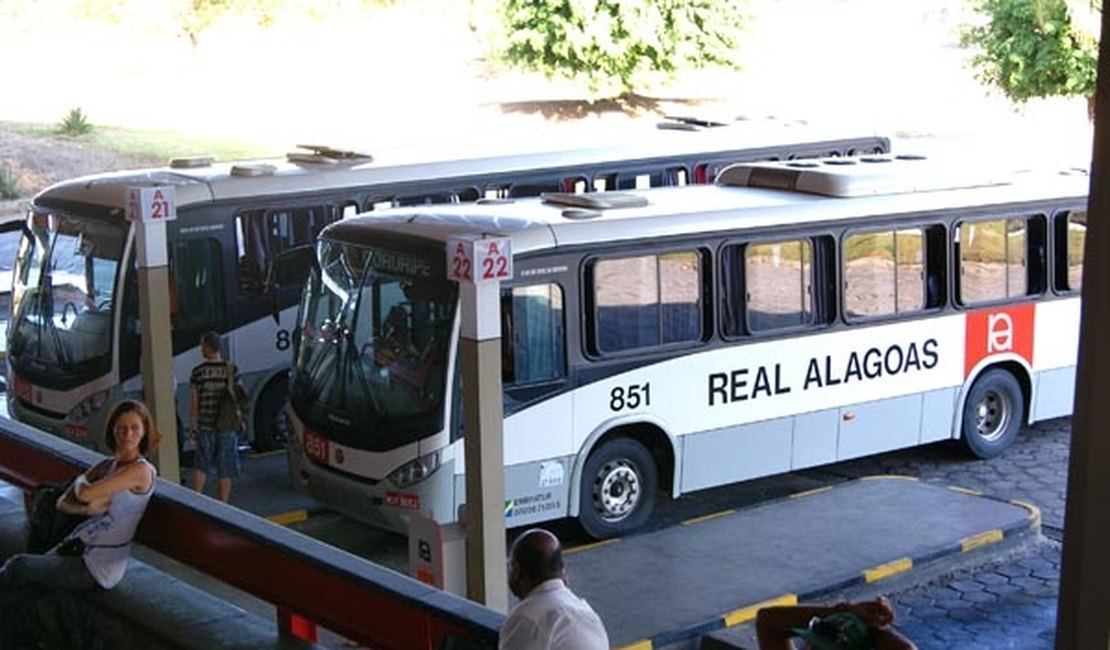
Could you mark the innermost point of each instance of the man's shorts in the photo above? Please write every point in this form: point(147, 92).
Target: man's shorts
point(219, 450)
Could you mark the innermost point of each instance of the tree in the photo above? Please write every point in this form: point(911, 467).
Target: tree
point(1036, 48)
point(619, 46)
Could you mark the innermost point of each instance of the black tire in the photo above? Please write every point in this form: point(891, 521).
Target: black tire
point(618, 489)
point(185, 459)
point(271, 425)
point(993, 413)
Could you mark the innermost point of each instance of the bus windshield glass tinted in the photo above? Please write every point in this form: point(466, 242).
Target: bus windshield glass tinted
point(373, 346)
point(63, 288)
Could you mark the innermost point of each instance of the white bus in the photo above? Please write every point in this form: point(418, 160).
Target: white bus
point(795, 314)
point(73, 345)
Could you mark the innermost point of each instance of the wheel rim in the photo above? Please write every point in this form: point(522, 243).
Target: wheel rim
point(616, 490)
point(992, 415)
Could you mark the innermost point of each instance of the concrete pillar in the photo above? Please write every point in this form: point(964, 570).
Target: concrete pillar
point(1081, 617)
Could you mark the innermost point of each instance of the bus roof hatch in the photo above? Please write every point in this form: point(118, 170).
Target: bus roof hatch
point(322, 154)
point(859, 175)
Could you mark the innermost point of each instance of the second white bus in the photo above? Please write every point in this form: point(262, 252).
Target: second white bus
point(796, 314)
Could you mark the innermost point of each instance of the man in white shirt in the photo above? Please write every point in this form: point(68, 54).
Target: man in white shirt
point(549, 616)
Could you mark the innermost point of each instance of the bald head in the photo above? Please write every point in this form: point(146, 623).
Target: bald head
point(535, 557)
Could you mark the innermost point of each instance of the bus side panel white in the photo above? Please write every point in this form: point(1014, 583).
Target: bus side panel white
point(937, 413)
point(537, 491)
point(540, 431)
point(736, 453)
point(261, 345)
point(1056, 340)
point(879, 426)
point(815, 438)
point(1055, 393)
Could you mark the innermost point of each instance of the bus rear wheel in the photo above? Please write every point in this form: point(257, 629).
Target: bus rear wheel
point(618, 489)
point(993, 413)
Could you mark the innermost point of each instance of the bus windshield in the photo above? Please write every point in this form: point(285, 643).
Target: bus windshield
point(373, 346)
point(64, 276)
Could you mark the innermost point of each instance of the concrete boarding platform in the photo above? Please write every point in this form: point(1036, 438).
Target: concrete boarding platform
point(678, 584)
point(148, 609)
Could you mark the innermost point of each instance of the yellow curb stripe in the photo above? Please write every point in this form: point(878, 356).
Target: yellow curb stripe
point(291, 517)
point(715, 515)
point(807, 493)
point(644, 644)
point(883, 477)
point(1034, 511)
point(980, 540)
point(956, 488)
point(586, 547)
point(886, 570)
point(746, 614)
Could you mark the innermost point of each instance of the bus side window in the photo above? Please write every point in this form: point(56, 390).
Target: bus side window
point(431, 198)
point(992, 256)
point(264, 234)
point(533, 342)
point(1070, 234)
point(732, 291)
point(647, 301)
point(196, 273)
point(533, 188)
point(1036, 255)
point(779, 281)
point(936, 267)
point(532, 336)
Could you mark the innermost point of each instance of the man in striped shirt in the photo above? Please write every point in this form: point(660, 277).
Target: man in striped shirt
point(215, 450)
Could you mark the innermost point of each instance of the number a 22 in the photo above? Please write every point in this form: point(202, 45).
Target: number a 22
point(461, 268)
point(495, 267)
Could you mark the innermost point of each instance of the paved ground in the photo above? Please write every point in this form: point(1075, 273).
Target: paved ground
point(1008, 603)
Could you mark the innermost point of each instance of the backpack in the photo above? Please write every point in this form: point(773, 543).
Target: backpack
point(233, 405)
point(46, 525)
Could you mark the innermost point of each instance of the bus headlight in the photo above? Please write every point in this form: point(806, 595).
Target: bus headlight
point(89, 406)
point(415, 471)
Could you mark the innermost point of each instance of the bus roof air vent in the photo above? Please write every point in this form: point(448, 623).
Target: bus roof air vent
point(859, 176)
point(688, 123)
point(321, 154)
point(252, 169)
point(191, 162)
point(596, 200)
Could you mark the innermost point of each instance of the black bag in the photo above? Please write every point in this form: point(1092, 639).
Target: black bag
point(46, 525)
point(233, 406)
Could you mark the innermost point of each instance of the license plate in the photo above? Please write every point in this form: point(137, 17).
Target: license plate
point(402, 500)
point(316, 447)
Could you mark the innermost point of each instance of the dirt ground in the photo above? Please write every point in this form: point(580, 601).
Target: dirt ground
point(36, 163)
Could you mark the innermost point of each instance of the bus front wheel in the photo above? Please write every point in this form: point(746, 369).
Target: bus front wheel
point(618, 489)
point(271, 424)
point(993, 413)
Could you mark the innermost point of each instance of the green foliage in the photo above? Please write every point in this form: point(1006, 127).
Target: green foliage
point(619, 46)
point(75, 123)
point(9, 188)
point(1032, 49)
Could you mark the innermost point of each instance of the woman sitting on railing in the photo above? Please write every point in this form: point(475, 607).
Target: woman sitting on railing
point(113, 494)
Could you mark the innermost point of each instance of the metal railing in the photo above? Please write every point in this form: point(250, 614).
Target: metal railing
point(304, 579)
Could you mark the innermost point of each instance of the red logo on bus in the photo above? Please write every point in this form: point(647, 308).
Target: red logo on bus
point(315, 446)
point(1005, 330)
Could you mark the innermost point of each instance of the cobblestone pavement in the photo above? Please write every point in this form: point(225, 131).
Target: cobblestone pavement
point(1007, 603)
point(1010, 603)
